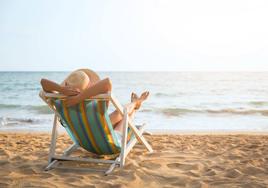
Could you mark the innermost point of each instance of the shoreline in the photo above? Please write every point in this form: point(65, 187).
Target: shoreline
point(154, 132)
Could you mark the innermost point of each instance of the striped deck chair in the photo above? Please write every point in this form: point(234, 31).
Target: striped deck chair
point(90, 128)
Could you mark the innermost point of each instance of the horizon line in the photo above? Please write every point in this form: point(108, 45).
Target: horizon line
point(138, 71)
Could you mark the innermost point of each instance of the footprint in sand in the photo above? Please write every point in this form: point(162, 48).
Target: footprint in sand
point(16, 158)
point(192, 173)
point(149, 165)
point(181, 166)
point(27, 171)
point(3, 153)
point(4, 184)
point(254, 184)
point(233, 173)
point(253, 170)
point(3, 162)
point(130, 176)
point(46, 175)
point(210, 172)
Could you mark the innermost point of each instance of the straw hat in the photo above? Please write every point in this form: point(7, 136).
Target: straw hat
point(81, 79)
point(93, 76)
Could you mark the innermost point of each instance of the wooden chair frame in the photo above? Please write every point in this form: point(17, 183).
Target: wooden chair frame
point(54, 159)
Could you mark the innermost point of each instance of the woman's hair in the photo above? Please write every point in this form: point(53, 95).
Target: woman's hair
point(77, 79)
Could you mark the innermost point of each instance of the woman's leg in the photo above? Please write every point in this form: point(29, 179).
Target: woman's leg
point(135, 104)
point(119, 126)
point(116, 116)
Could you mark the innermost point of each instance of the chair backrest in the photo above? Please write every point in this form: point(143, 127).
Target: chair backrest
point(89, 125)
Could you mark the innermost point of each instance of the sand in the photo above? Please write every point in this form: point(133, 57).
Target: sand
point(178, 161)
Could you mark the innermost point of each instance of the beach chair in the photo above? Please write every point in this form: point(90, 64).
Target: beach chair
point(90, 128)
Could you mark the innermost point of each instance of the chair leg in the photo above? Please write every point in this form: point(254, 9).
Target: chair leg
point(53, 140)
point(53, 164)
point(70, 149)
point(112, 167)
point(50, 165)
point(140, 137)
point(51, 161)
point(66, 153)
point(124, 139)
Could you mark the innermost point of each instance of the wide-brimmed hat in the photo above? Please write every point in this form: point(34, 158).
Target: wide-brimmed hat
point(81, 77)
point(93, 76)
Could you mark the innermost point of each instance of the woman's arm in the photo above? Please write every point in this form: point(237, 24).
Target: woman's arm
point(50, 86)
point(103, 86)
point(100, 87)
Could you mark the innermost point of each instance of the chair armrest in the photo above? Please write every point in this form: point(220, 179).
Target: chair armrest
point(43, 94)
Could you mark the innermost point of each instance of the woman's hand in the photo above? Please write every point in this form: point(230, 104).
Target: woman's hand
point(72, 100)
point(70, 91)
point(100, 87)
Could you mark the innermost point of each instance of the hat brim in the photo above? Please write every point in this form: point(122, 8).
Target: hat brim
point(93, 76)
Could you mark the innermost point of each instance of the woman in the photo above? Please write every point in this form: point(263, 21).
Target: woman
point(83, 83)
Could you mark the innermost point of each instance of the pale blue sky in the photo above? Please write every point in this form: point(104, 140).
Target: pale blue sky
point(134, 35)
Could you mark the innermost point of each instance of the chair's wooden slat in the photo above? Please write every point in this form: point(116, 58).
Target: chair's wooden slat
point(112, 166)
point(132, 142)
point(92, 160)
point(61, 96)
point(140, 137)
point(72, 148)
point(124, 138)
point(53, 139)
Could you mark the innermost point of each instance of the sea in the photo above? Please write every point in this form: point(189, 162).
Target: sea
point(178, 101)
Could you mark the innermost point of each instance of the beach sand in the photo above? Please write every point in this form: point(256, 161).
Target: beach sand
point(177, 161)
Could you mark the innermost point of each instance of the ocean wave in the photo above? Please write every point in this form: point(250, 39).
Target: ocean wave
point(39, 109)
point(183, 111)
point(239, 112)
point(7, 121)
point(176, 111)
point(160, 94)
point(9, 106)
point(42, 109)
point(258, 103)
point(146, 110)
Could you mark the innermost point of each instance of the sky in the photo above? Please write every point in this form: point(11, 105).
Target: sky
point(139, 35)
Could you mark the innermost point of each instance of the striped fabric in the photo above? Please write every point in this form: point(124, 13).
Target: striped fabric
point(89, 125)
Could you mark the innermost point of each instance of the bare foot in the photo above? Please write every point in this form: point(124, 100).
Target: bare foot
point(144, 95)
point(142, 98)
point(134, 97)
